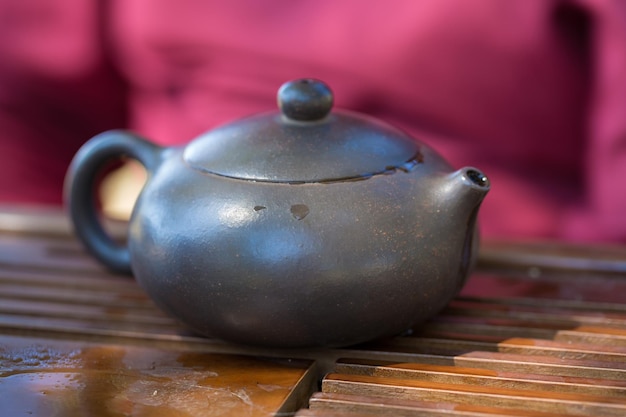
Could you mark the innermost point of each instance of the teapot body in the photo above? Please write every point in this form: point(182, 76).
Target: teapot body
point(299, 264)
point(294, 229)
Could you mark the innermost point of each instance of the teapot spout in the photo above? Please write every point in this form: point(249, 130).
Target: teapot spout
point(464, 191)
point(467, 187)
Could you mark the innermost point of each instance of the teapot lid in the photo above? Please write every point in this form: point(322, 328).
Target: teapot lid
point(303, 143)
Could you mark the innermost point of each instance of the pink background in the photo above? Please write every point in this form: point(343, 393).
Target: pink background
point(533, 92)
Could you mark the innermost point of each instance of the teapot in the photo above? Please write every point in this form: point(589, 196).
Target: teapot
point(301, 227)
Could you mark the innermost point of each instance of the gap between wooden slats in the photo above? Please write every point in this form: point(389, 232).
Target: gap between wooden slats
point(574, 404)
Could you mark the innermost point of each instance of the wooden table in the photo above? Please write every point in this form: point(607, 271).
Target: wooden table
point(539, 330)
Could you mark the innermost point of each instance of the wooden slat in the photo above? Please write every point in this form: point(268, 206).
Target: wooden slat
point(477, 376)
point(540, 401)
point(41, 378)
point(100, 280)
point(593, 335)
point(542, 365)
point(554, 256)
point(549, 315)
point(568, 290)
point(346, 405)
point(87, 312)
point(76, 296)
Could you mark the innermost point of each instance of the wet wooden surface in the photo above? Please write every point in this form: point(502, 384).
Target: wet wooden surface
point(539, 330)
point(44, 377)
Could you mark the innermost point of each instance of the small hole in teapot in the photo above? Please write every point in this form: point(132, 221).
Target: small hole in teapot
point(299, 211)
point(477, 177)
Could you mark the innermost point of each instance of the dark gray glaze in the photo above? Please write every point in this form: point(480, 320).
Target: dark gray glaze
point(253, 251)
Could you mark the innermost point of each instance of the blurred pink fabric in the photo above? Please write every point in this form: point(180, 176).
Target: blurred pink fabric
point(533, 92)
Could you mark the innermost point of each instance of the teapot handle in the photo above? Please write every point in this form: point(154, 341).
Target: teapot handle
point(80, 185)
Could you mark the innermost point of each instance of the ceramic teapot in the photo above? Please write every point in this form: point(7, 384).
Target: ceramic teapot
point(303, 227)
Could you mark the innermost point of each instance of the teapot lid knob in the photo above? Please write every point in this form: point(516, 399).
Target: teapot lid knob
point(305, 100)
